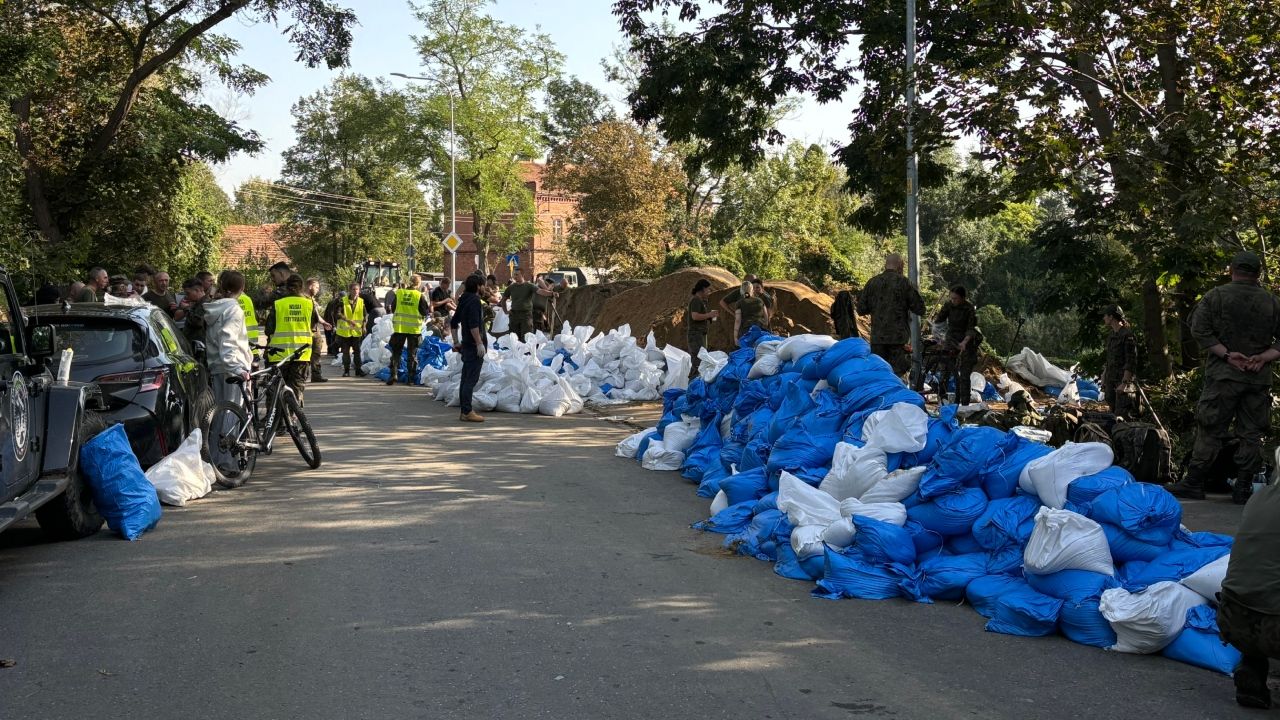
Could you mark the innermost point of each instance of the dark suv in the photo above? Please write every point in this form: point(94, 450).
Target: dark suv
point(42, 425)
point(149, 376)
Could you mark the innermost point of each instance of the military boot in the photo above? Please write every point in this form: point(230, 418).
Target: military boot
point(1242, 490)
point(1188, 488)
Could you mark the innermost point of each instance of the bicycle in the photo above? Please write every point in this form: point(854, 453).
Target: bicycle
point(246, 429)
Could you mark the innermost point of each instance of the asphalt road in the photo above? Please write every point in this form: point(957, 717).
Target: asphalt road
point(511, 570)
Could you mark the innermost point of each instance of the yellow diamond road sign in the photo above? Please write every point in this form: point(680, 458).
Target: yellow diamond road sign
point(452, 242)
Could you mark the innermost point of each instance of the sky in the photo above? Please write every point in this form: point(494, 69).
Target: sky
point(583, 30)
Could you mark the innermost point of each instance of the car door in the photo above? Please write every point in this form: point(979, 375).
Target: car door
point(18, 463)
point(192, 380)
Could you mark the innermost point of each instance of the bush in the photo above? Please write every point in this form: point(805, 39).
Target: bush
point(758, 255)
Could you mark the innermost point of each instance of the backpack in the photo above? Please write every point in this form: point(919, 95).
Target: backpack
point(1061, 424)
point(1091, 432)
point(1144, 450)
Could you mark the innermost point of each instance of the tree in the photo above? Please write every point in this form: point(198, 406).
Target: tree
point(572, 107)
point(99, 96)
point(495, 73)
point(351, 177)
point(625, 185)
point(1152, 117)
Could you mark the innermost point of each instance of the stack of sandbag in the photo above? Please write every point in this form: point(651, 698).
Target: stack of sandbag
point(816, 458)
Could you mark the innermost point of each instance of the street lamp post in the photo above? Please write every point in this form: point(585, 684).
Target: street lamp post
point(453, 179)
point(913, 196)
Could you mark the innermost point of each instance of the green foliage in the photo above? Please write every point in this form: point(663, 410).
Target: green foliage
point(573, 106)
point(693, 257)
point(495, 72)
point(756, 256)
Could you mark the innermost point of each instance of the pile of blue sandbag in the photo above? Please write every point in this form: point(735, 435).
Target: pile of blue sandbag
point(819, 460)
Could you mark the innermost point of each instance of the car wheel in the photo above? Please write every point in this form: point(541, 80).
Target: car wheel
point(72, 515)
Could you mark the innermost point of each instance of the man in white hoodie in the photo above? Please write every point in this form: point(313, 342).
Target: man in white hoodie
point(227, 341)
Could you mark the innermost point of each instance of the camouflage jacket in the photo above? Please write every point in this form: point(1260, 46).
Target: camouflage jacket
point(889, 298)
point(1244, 317)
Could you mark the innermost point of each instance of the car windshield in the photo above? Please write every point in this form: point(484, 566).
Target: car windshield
point(100, 342)
point(384, 276)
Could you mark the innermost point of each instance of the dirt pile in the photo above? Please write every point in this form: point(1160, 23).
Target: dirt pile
point(582, 306)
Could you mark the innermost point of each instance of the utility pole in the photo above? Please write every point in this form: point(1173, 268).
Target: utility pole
point(453, 197)
point(912, 218)
point(413, 263)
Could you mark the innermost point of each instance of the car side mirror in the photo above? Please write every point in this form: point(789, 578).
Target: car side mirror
point(44, 342)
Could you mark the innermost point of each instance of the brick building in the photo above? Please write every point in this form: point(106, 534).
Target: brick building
point(252, 246)
point(540, 253)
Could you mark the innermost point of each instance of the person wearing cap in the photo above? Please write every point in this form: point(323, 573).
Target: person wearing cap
point(1120, 374)
point(1238, 326)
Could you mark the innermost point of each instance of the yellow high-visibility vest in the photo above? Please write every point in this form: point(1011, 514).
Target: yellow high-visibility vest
point(250, 319)
point(293, 316)
point(407, 319)
point(351, 318)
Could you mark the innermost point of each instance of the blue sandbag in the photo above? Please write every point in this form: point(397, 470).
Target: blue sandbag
point(669, 414)
point(796, 403)
point(1073, 585)
point(1183, 540)
point(383, 374)
point(983, 592)
point(945, 577)
point(1173, 566)
point(1007, 521)
point(1198, 644)
point(710, 484)
point(950, 514)
point(1052, 390)
point(121, 492)
point(963, 545)
point(756, 335)
point(1025, 612)
point(878, 394)
point(788, 565)
point(1126, 549)
point(882, 543)
point(754, 455)
point(962, 461)
point(850, 575)
point(768, 502)
point(799, 450)
point(751, 397)
point(1005, 561)
point(703, 455)
point(732, 519)
point(941, 431)
point(1083, 622)
point(1000, 479)
point(855, 371)
point(644, 443)
point(1084, 489)
point(925, 541)
point(836, 355)
point(1088, 389)
point(746, 486)
point(1146, 512)
point(757, 539)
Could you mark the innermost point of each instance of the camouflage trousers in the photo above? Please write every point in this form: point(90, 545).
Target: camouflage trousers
point(1256, 635)
point(895, 355)
point(1230, 409)
point(1124, 404)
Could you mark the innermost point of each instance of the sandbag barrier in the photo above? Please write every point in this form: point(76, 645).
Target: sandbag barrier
point(819, 460)
point(558, 376)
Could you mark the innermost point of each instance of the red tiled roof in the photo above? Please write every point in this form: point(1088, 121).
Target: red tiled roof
point(252, 245)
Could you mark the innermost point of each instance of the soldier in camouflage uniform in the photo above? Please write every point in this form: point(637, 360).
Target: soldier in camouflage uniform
point(1249, 604)
point(1238, 325)
point(1121, 370)
point(889, 298)
point(960, 344)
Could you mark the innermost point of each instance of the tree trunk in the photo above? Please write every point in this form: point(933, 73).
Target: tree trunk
point(1184, 306)
point(1158, 366)
point(37, 197)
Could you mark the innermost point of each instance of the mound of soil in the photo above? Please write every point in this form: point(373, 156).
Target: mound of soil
point(659, 306)
point(582, 306)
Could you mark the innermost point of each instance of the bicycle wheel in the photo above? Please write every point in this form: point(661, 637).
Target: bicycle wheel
point(295, 421)
point(225, 443)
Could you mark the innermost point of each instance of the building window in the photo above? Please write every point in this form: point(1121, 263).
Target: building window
point(557, 229)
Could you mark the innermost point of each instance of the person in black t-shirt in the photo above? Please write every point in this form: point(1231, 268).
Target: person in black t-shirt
point(468, 338)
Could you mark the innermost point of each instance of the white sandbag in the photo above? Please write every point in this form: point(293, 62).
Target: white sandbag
point(805, 505)
point(710, 363)
point(529, 400)
point(560, 399)
point(895, 487)
point(1008, 387)
point(839, 534)
point(631, 444)
point(718, 503)
point(854, 471)
point(977, 383)
point(890, 512)
point(764, 367)
point(1070, 393)
point(658, 457)
point(484, 401)
point(508, 399)
point(1148, 621)
point(680, 435)
point(806, 540)
point(501, 321)
point(768, 347)
point(1207, 581)
point(1047, 477)
point(181, 475)
point(1063, 540)
point(726, 425)
point(797, 346)
point(678, 365)
point(900, 428)
point(1033, 366)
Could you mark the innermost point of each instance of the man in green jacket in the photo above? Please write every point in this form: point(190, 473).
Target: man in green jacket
point(890, 299)
point(1238, 326)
